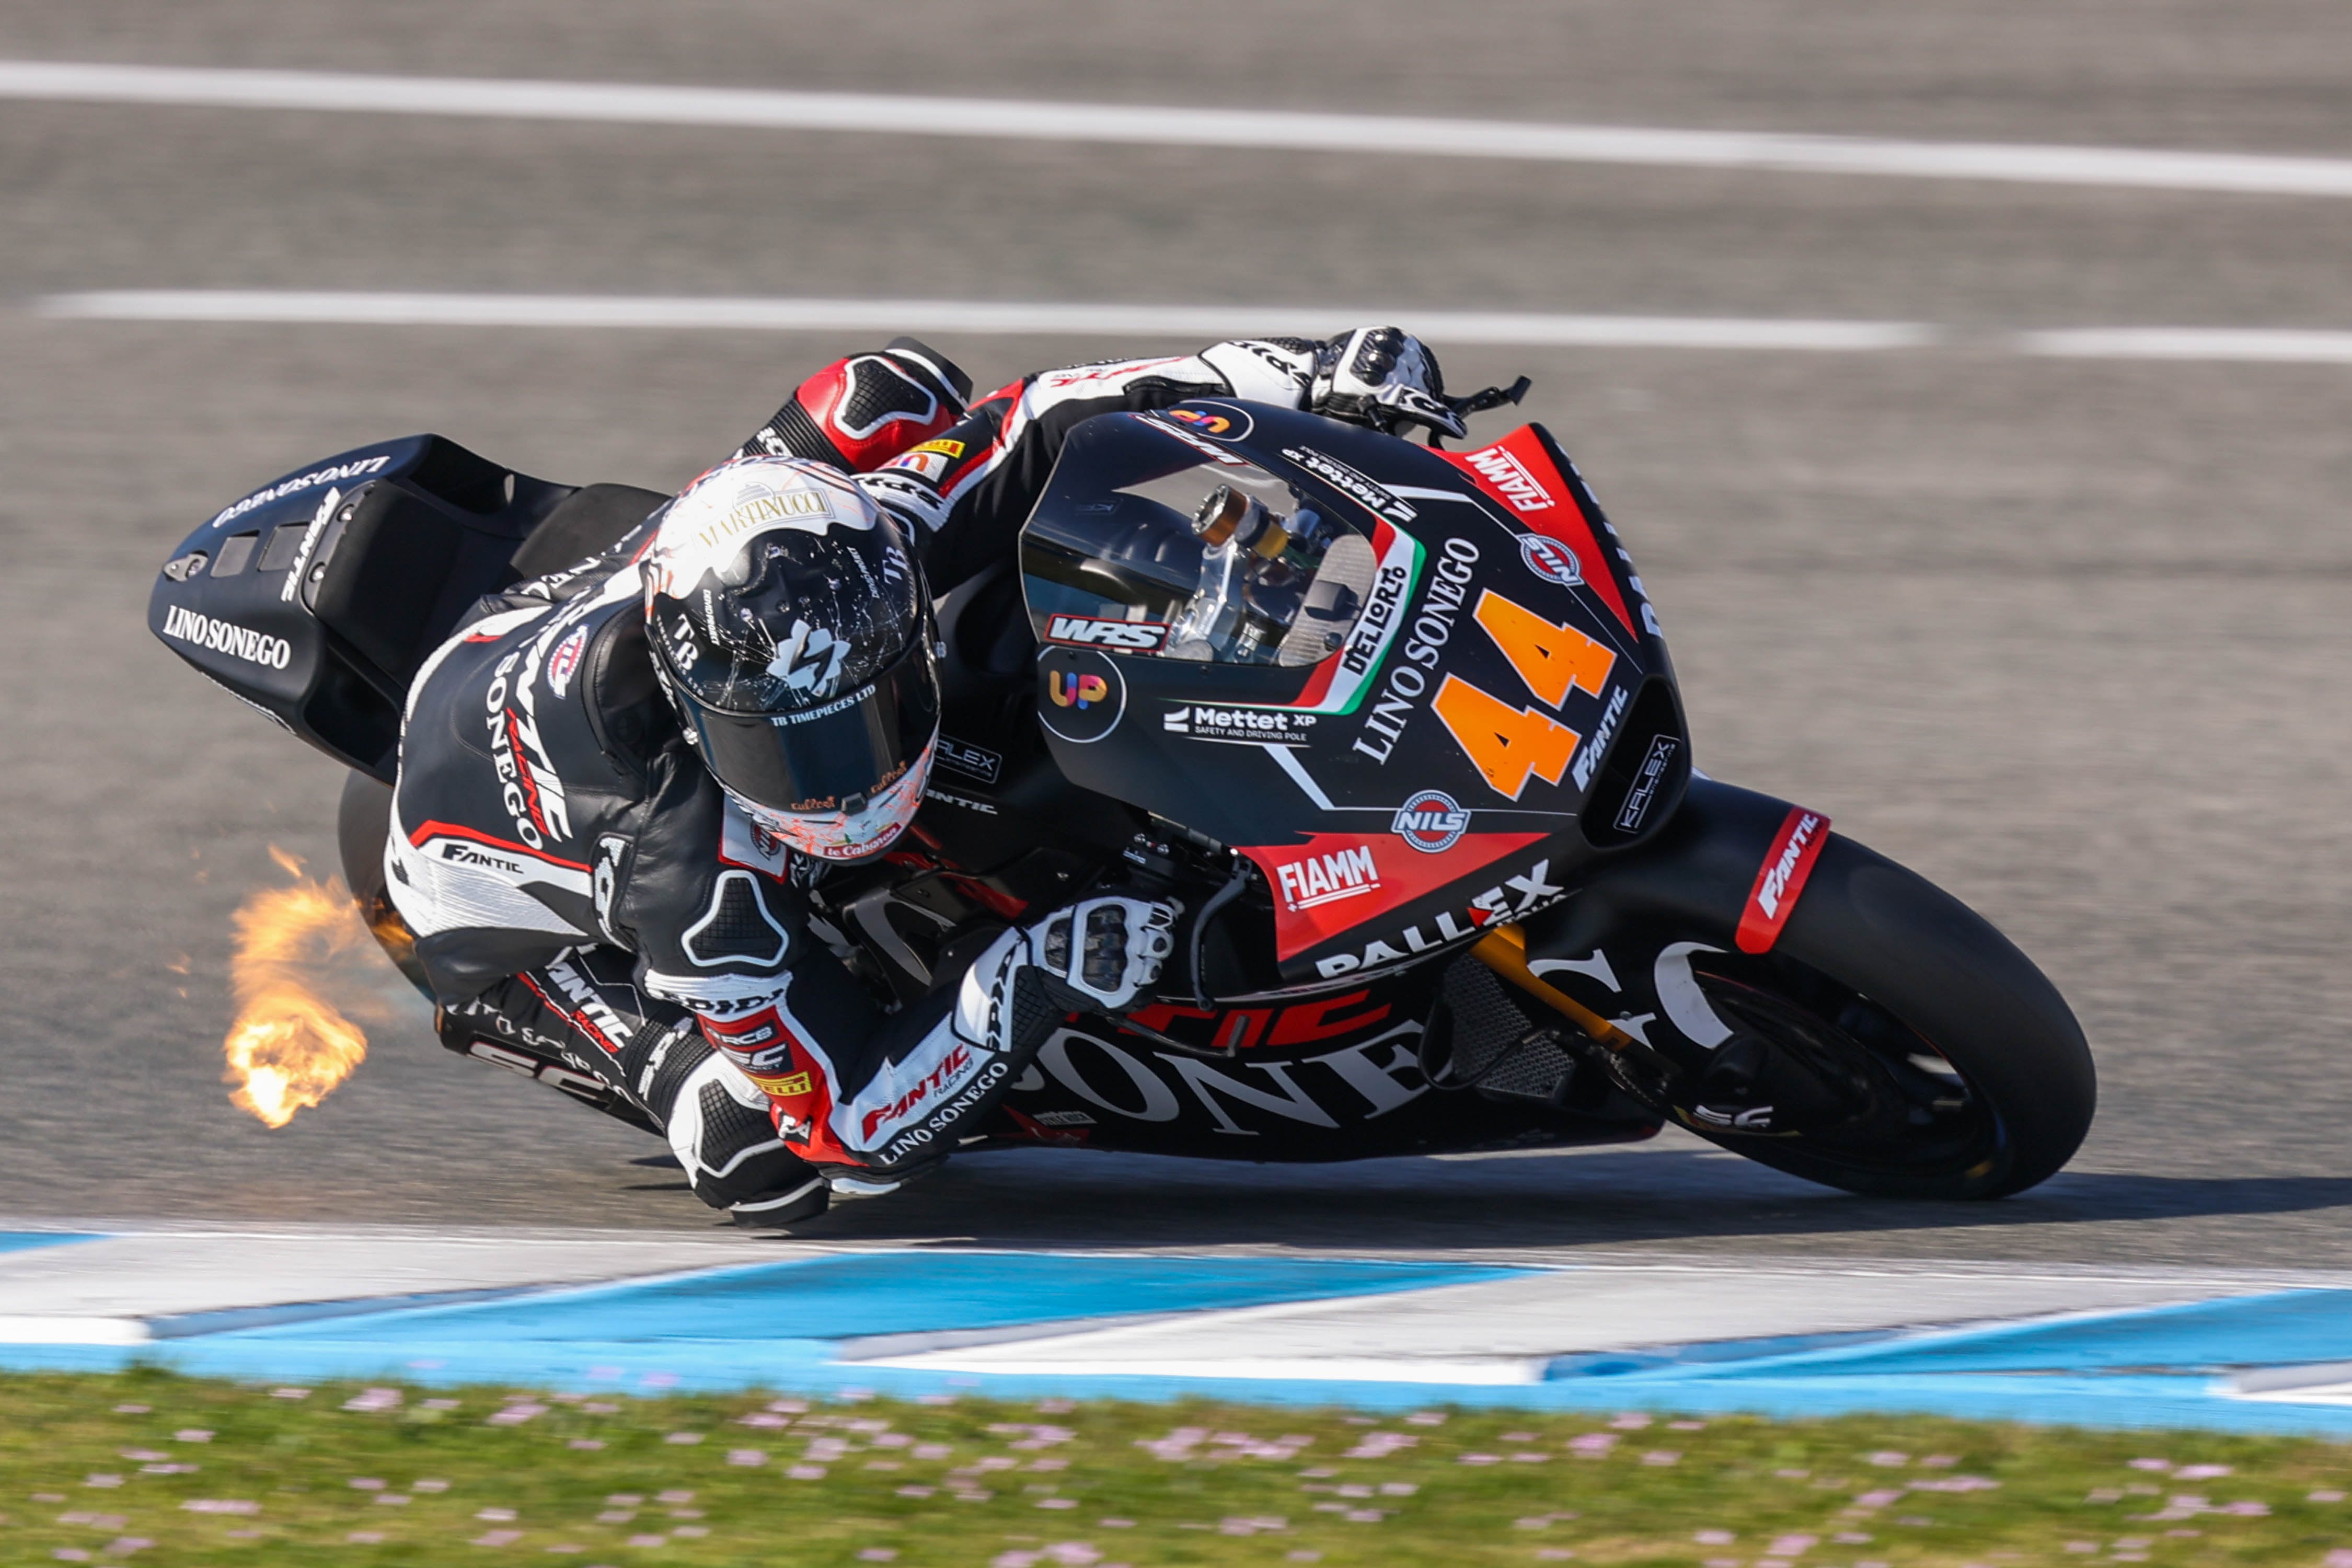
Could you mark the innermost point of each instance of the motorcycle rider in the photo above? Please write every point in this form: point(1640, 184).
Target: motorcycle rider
point(618, 782)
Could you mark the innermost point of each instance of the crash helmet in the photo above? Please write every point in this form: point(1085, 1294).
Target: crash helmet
point(791, 630)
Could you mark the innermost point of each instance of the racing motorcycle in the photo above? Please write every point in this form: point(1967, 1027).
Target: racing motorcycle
point(1395, 724)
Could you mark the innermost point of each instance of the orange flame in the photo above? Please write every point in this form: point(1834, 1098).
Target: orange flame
point(289, 1046)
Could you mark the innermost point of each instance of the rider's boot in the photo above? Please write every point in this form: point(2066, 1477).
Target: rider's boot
point(647, 1066)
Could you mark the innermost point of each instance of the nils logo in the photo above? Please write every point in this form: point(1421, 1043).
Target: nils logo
point(1084, 693)
point(1431, 821)
point(1550, 560)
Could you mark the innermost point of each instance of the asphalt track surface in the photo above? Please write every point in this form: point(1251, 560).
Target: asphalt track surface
point(2069, 638)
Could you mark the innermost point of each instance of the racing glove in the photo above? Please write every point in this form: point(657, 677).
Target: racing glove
point(1104, 951)
point(1385, 378)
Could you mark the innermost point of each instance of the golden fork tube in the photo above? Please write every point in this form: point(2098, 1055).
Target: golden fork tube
point(1504, 950)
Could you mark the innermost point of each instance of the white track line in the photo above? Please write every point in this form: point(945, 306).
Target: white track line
point(970, 316)
point(884, 115)
point(2192, 344)
point(994, 318)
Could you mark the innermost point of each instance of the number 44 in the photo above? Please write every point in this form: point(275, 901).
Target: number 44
point(1509, 743)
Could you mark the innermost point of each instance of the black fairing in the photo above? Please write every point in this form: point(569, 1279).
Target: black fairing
point(1495, 654)
point(319, 614)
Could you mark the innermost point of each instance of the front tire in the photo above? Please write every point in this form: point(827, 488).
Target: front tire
point(1934, 1059)
point(1972, 1079)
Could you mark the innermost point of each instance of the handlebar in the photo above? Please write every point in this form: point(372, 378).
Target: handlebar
point(1479, 402)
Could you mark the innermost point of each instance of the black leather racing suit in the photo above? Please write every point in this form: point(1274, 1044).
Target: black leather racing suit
point(579, 885)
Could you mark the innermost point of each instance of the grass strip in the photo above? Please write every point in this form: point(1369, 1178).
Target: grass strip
point(150, 1467)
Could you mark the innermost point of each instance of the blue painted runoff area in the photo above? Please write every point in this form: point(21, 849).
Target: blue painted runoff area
point(28, 1240)
point(775, 1325)
point(858, 1294)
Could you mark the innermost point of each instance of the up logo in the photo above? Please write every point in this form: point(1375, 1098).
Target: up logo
point(1221, 420)
point(1084, 694)
point(1075, 690)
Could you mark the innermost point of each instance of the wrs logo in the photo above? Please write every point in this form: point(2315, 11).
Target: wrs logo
point(1072, 690)
point(1510, 477)
point(1431, 821)
point(1089, 631)
point(1328, 879)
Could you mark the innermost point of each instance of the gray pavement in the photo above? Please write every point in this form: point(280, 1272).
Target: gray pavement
point(2068, 637)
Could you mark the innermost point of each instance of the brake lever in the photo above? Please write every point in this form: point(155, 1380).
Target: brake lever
point(1481, 400)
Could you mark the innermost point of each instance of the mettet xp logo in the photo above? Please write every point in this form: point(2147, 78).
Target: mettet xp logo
point(1084, 693)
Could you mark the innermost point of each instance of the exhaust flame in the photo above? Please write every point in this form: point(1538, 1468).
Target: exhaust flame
point(289, 1046)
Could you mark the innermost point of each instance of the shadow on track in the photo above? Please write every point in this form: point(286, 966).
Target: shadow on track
point(1526, 1201)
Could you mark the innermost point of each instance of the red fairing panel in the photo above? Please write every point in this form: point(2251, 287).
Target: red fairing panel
point(1518, 472)
point(1336, 881)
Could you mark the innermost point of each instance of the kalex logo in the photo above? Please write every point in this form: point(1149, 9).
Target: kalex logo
point(1432, 822)
point(1782, 878)
point(1070, 690)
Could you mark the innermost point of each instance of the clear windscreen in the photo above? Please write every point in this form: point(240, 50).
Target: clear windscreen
point(1149, 541)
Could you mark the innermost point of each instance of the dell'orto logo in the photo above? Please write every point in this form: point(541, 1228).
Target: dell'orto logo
point(1431, 821)
point(1084, 694)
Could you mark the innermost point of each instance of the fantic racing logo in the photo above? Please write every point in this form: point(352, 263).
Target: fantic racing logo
point(527, 783)
point(939, 1078)
point(1243, 726)
point(1511, 479)
point(1327, 879)
point(1589, 758)
point(1432, 822)
point(992, 1073)
point(1782, 878)
point(456, 852)
point(595, 1018)
point(224, 637)
point(1093, 632)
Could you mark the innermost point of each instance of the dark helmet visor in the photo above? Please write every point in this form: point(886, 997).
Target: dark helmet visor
point(815, 758)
